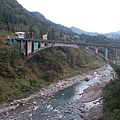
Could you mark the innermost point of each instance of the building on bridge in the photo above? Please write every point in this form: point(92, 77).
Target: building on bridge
point(45, 37)
point(20, 34)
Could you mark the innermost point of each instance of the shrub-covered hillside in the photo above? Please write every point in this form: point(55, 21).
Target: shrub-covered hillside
point(111, 96)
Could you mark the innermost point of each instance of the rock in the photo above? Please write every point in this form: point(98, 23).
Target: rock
point(35, 107)
point(67, 112)
point(83, 105)
point(87, 79)
point(81, 115)
point(94, 102)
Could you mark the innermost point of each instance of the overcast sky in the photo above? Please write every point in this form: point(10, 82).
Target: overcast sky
point(89, 15)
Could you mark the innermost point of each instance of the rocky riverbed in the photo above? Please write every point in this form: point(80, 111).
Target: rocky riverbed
point(93, 94)
point(79, 108)
point(45, 92)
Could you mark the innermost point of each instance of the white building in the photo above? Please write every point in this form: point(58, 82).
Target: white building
point(45, 37)
point(20, 34)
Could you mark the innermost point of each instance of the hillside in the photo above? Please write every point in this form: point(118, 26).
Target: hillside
point(114, 35)
point(57, 27)
point(13, 17)
point(79, 31)
point(111, 99)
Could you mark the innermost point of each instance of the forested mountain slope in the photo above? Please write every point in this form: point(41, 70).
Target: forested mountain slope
point(13, 17)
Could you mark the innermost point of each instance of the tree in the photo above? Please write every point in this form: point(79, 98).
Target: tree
point(49, 35)
point(53, 34)
point(61, 33)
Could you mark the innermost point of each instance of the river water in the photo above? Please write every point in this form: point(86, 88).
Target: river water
point(64, 105)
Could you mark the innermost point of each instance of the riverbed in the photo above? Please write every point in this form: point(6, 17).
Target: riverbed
point(66, 100)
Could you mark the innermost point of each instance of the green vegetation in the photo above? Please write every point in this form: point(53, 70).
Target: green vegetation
point(111, 97)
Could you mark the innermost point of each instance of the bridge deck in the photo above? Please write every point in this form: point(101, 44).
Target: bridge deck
point(55, 41)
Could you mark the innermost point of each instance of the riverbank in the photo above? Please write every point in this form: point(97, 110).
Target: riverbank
point(45, 93)
point(93, 94)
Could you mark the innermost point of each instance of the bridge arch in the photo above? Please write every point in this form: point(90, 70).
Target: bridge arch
point(32, 54)
point(30, 47)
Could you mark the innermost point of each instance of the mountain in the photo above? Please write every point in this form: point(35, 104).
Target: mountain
point(118, 32)
point(14, 18)
point(62, 28)
point(79, 31)
point(38, 16)
point(114, 35)
point(12, 6)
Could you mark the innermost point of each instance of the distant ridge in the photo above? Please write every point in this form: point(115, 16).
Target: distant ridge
point(114, 35)
point(79, 31)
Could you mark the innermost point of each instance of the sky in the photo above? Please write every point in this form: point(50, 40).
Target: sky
point(101, 16)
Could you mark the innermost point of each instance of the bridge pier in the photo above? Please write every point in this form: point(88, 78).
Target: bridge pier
point(106, 53)
point(96, 49)
point(35, 46)
point(116, 56)
point(87, 47)
point(23, 47)
point(42, 44)
point(29, 47)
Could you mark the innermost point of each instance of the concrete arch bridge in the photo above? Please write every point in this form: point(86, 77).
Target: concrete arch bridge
point(30, 47)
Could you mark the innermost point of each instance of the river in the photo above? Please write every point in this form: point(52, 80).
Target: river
point(64, 105)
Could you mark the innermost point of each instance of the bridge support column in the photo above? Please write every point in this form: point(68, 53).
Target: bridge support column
point(35, 46)
point(79, 47)
point(42, 44)
point(87, 47)
point(96, 49)
point(106, 53)
point(23, 47)
point(116, 56)
point(29, 47)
